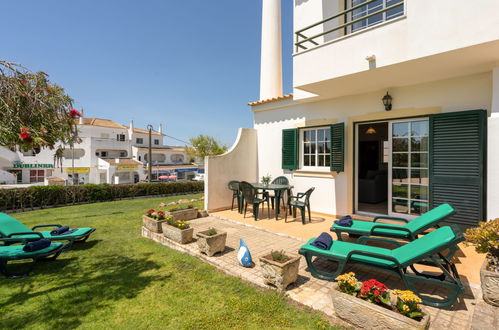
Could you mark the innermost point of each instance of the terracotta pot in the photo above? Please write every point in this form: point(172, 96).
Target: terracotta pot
point(182, 236)
point(279, 274)
point(366, 315)
point(490, 285)
point(152, 224)
point(211, 244)
point(187, 214)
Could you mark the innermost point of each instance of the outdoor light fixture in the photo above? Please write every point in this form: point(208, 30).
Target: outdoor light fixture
point(371, 130)
point(387, 101)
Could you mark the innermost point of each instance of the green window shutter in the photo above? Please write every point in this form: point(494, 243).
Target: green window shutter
point(290, 149)
point(338, 147)
point(457, 163)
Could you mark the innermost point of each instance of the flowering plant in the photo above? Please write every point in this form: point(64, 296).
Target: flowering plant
point(158, 215)
point(485, 238)
point(375, 292)
point(408, 303)
point(349, 284)
point(180, 224)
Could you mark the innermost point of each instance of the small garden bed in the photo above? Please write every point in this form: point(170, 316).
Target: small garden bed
point(211, 241)
point(280, 269)
point(371, 305)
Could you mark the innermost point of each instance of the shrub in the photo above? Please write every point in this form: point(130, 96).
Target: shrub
point(279, 256)
point(485, 238)
point(45, 196)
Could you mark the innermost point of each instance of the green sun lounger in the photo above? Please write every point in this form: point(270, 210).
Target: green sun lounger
point(11, 228)
point(15, 252)
point(409, 231)
point(426, 249)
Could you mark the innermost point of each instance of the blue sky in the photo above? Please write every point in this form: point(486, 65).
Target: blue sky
point(192, 65)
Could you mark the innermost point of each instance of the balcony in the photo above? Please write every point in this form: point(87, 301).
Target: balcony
point(364, 49)
point(361, 15)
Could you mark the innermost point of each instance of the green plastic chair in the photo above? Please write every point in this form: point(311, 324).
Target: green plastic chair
point(408, 231)
point(295, 202)
point(279, 194)
point(427, 248)
point(10, 252)
point(250, 196)
point(236, 195)
point(12, 228)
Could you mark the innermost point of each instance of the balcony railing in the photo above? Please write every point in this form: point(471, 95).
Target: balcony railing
point(360, 15)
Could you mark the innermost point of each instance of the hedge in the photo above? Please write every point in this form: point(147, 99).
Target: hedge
point(49, 196)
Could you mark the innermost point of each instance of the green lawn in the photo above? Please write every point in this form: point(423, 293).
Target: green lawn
point(117, 279)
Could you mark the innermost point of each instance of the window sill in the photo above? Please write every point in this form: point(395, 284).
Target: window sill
point(315, 174)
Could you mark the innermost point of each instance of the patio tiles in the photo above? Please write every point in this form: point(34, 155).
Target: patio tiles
point(310, 291)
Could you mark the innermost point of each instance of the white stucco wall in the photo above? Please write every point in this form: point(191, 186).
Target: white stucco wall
point(334, 195)
point(238, 163)
point(493, 154)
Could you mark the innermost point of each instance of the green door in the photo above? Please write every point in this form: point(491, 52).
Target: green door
point(458, 164)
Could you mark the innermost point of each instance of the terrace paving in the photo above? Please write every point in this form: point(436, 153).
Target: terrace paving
point(308, 290)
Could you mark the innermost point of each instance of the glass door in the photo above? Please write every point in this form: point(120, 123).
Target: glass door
point(409, 175)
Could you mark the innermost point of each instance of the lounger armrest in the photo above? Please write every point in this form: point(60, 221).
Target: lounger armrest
point(26, 233)
point(373, 255)
point(23, 240)
point(390, 218)
point(45, 226)
point(388, 227)
point(364, 239)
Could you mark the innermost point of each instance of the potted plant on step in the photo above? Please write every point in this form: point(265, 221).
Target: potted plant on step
point(279, 269)
point(152, 220)
point(211, 241)
point(177, 230)
point(485, 238)
point(186, 213)
point(371, 305)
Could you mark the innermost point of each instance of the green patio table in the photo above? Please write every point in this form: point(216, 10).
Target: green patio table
point(278, 188)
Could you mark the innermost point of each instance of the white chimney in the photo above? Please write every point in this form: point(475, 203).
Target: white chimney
point(271, 52)
point(132, 127)
point(160, 128)
point(80, 121)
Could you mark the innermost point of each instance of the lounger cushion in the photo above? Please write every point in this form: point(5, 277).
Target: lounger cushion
point(405, 255)
point(433, 216)
point(364, 227)
point(46, 234)
point(340, 250)
point(435, 239)
point(10, 225)
point(14, 251)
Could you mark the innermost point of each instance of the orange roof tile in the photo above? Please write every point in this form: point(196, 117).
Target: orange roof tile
point(102, 123)
point(274, 99)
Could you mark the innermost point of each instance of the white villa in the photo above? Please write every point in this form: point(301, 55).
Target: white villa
point(108, 153)
point(394, 110)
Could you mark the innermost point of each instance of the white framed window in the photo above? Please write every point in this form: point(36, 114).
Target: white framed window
point(371, 8)
point(156, 142)
point(120, 137)
point(139, 140)
point(315, 148)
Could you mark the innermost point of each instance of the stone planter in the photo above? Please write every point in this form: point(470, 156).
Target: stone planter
point(182, 236)
point(279, 274)
point(187, 214)
point(366, 315)
point(490, 285)
point(152, 224)
point(211, 244)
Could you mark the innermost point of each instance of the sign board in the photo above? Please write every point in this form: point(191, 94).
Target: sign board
point(22, 165)
point(78, 170)
point(126, 167)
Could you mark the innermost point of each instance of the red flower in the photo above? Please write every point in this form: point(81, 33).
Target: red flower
point(74, 113)
point(376, 293)
point(151, 211)
point(161, 213)
point(378, 300)
point(24, 135)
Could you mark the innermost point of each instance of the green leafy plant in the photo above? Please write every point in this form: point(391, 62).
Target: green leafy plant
point(266, 179)
point(408, 303)
point(180, 224)
point(485, 238)
point(180, 208)
point(203, 146)
point(211, 232)
point(279, 256)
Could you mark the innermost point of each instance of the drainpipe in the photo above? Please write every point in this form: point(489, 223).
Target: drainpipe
point(271, 50)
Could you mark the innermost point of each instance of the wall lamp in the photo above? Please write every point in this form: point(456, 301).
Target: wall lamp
point(387, 101)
